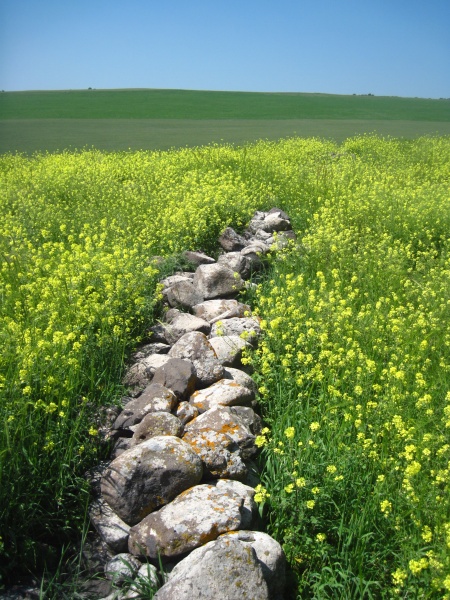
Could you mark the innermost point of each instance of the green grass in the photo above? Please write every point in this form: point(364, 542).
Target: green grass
point(185, 104)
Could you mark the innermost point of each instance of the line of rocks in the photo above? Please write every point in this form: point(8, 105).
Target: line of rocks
point(179, 489)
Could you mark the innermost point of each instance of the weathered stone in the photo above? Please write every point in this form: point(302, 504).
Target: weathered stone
point(223, 569)
point(237, 263)
point(198, 258)
point(168, 282)
point(248, 328)
point(137, 378)
point(219, 453)
point(254, 256)
point(270, 555)
point(182, 323)
point(155, 398)
point(228, 349)
point(270, 222)
point(178, 375)
point(278, 212)
point(196, 348)
point(216, 281)
point(183, 294)
point(121, 445)
point(225, 392)
point(146, 576)
point(121, 568)
point(248, 416)
point(249, 507)
point(148, 476)
point(113, 531)
point(148, 349)
point(153, 362)
point(212, 310)
point(157, 334)
point(154, 424)
point(223, 420)
point(186, 412)
point(240, 377)
point(195, 517)
point(231, 241)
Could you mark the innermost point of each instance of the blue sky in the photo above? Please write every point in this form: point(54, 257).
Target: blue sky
point(383, 47)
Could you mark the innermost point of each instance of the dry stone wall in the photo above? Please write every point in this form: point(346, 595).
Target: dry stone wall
point(179, 486)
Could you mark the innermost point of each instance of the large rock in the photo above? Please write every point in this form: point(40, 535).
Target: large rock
point(183, 294)
point(194, 518)
point(224, 569)
point(213, 310)
point(248, 416)
point(270, 556)
point(240, 377)
point(248, 328)
point(228, 349)
point(181, 323)
point(113, 531)
point(219, 453)
point(178, 375)
point(198, 258)
point(155, 424)
point(237, 262)
point(223, 393)
point(155, 398)
point(217, 281)
point(231, 241)
point(223, 420)
point(149, 475)
point(196, 348)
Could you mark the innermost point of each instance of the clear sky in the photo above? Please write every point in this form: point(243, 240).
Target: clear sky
point(383, 47)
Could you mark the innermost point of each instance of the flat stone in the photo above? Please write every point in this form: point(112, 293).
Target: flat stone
point(212, 310)
point(183, 294)
point(155, 424)
point(223, 569)
point(198, 258)
point(225, 392)
point(178, 375)
point(194, 518)
point(113, 531)
point(223, 420)
point(270, 556)
point(148, 476)
point(183, 323)
point(217, 281)
point(219, 453)
point(154, 398)
point(247, 327)
point(196, 348)
point(228, 349)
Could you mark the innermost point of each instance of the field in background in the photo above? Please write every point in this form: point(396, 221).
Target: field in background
point(116, 120)
point(354, 367)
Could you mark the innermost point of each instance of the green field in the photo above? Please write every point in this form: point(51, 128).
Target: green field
point(117, 120)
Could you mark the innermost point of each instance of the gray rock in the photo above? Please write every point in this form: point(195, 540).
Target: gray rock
point(231, 241)
point(148, 476)
point(247, 327)
point(178, 375)
point(248, 416)
point(155, 398)
point(113, 531)
point(224, 569)
point(254, 256)
point(182, 323)
point(270, 222)
point(198, 258)
point(148, 349)
point(270, 555)
point(278, 212)
point(194, 518)
point(219, 453)
point(153, 362)
point(168, 282)
point(183, 294)
point(240, 377)
point(157, 334)
point(121, 568)
point(217, 281)
point(186, 412)
point(223, 420)
point(212, 310)
point(196, 348)
point(137, 378)
point(225, 392)
point(237, 263)
point(228, 349)
point(155, 424)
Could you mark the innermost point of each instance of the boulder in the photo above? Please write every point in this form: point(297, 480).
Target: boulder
point(198, 258)
point(231, 241)
point(240, 377)
point(237, 262)
point(113, 531)
point(217, 281)
point(178, 375)
point(224, 569)
point(219, 453)
point(225, 392)
point(248, 416)
point(247, 327)
point(182, 323)
point(228, 349)
point(183, 294)
point(155, 398)
point(155, 424)
point(194, 518)
point(196, 348)
point(148, 349)
point(148, 476)
point(213, 310)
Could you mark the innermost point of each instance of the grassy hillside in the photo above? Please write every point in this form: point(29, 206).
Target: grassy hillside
point(185, 104)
